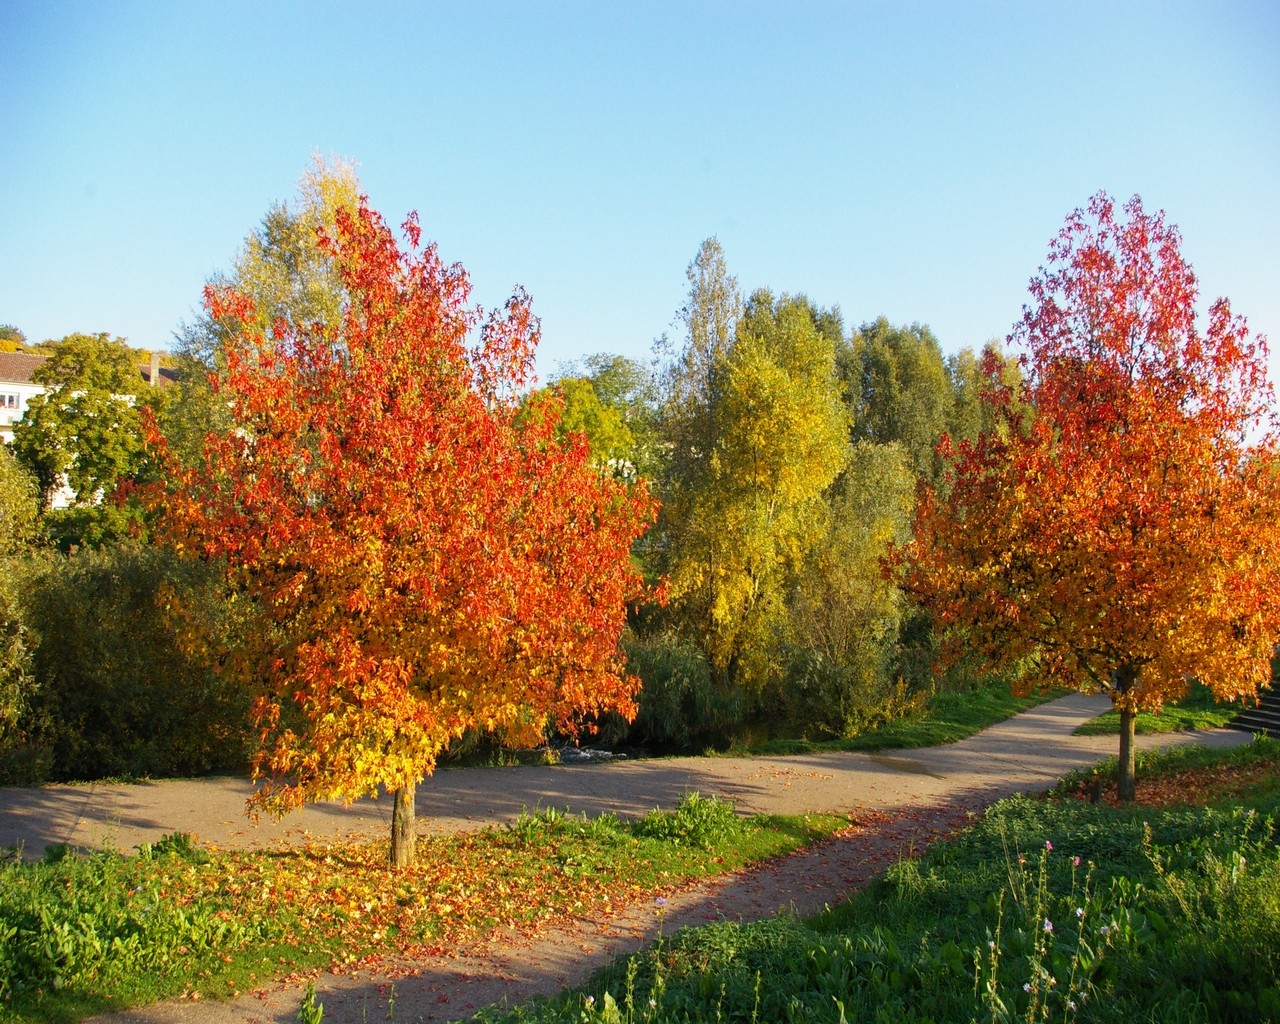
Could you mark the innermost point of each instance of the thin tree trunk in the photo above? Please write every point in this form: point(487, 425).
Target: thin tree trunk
point(1127, 785)
point(404, 828)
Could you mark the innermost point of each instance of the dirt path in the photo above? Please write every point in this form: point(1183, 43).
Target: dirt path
point(910, 798)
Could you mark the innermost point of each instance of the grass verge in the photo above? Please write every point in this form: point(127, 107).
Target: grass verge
point(1197, 710)
point(945, 718)
point(85, 935)
point(1046, 909)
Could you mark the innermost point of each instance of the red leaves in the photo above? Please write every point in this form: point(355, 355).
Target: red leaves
point(423, 561)
point(1132, 524)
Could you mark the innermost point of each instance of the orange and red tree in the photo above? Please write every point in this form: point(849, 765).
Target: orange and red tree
point(1123, 535)
point(424, 560)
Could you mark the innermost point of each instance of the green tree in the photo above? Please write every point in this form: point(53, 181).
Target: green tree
point(970, 415)
point(19, 506)
point(611, 400)
point(85, 429)
point(846, 615)
point(898, 390)
point(769, 440)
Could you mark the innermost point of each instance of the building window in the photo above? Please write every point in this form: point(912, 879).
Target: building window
point(9, 401)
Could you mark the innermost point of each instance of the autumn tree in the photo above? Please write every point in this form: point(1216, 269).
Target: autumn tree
point(767, 433)
point(424, 559)
point(288, 274)
point(1125, 538)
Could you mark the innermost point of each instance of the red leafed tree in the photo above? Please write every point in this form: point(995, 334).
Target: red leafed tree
point(1123, 534)
point(424, 560)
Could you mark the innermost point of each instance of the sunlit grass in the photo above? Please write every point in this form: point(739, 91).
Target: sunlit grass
point(1197, 710)
point(1046, 909)
point(103, 932)
point(945, 718)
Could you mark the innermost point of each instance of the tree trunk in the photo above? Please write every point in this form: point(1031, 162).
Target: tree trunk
point(404, 829)
point(1126, 784)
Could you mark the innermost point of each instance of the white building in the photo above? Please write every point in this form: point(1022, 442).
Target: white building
point(16, 388)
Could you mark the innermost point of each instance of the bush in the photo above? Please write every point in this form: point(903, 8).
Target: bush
point(125, 643)
point(681, 707)
point(819, 699)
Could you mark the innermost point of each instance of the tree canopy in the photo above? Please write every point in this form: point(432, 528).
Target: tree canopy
point(1125, 536)
point(425, 559)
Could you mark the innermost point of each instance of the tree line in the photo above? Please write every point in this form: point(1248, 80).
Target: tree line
point(845, 520)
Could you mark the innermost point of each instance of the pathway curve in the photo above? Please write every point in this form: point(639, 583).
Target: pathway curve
point(921, 794)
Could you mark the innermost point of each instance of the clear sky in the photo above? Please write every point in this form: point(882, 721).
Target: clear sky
point(910, 160)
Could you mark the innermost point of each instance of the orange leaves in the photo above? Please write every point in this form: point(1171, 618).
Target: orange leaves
point(423, 561)
point(1131, 529)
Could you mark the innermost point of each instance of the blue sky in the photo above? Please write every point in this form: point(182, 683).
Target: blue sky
point(910, 160)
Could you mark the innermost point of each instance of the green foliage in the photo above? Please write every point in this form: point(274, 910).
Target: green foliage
point(897, 384)
point(81, 935)
point(846, 616)
point(126, 644)
point(19, 505)
point(103, 921)
point(85, 428)
point(311, 1010)
point(612, 400)
point(739, 528)
point(700, 821)
point(682, 707)
point(16, 680)
point(905, 720)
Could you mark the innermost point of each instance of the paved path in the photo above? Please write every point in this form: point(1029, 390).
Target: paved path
point(1027, 752)
point(922, 794)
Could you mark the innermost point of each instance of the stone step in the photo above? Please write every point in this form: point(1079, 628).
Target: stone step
point(1265, 718)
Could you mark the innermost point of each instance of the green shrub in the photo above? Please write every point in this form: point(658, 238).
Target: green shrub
point(681, 708)
point(701, 821)
point(126, 641)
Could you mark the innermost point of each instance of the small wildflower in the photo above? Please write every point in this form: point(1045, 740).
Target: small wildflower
point(591, 1001)
point(1079, 911)
point(1075, 861)
point(1071, 1005)
point(661, 901)
point(1048, 846)
point(1021, 859)
point(1106, 930)
point(653, 1004)
point(1026, 986)
point(1048, 925)
point(991, 943)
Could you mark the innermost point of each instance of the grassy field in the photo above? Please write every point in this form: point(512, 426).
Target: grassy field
point(945, 718)
point(1046, 910)
point(1197, 710)
point(84, 935)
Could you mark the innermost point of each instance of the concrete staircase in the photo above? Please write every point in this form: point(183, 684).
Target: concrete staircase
point(1265, 718)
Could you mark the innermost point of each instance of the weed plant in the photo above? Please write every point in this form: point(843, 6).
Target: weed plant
point(1043, 910)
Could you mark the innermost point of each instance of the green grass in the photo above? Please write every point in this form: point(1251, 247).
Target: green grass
point(945, 718)
point(1050, 909)
point(1197, 710)
point(93, 934)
